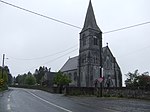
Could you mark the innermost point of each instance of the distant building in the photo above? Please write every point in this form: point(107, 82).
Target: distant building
point(84, 70)
point(47, 79)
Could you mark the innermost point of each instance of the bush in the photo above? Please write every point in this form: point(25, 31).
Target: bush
point(30, 80)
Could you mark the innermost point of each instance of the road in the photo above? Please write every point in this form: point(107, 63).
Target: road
point(28, 100)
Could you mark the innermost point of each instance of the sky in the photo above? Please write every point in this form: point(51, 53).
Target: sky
point(30, 41)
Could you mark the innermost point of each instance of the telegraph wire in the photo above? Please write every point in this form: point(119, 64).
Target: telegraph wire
point(59, 57)
point(56, 20)
point(37, 58)
point(111, 31)
point(48, 61)
point(66, 23)
point(55, 59)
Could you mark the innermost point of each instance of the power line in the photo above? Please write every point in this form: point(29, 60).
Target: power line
point(66, 23)
point(126, 27)
point(37, 58)
point(40, 14)
point(59, 21)
point(60, 56)
point(50, 61)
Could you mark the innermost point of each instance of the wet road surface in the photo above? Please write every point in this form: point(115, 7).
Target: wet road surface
point(29, 100)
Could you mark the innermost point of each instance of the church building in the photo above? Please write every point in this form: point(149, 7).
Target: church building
point(94, 61)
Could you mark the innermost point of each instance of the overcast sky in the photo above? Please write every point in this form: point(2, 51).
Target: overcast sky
point(30, 41)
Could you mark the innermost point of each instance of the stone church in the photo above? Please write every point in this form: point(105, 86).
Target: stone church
point(94, 61)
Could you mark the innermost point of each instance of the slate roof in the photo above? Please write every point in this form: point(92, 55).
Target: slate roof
point(71, 64)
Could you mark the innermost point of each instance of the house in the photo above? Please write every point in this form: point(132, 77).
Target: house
point(47, 79)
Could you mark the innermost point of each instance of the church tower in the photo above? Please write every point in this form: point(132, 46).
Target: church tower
point(90, 48)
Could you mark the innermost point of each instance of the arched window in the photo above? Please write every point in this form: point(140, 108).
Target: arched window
point(84, 40)
point(75, 76)
point(83, 58)
point(95, 40)
point(96, 59)
point(108, 62)
point(81, 76)
point(70, 76)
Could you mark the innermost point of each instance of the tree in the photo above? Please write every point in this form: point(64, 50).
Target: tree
point(61, 79)
point(39, 73)
point(30, 79)
point(9, 81)
point(143, 81)
point(4, 76)
point(131, 78)
point(20, 79)
point(136, 80)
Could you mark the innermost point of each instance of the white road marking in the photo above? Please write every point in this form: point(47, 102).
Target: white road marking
point(50, 102)
point(111, 110)
point(8, 107)
point(35, 90)
point(8, 99)
point(9, 95)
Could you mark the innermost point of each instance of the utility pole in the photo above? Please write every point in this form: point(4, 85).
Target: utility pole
point(101, 91)
point(3, 65)
point(79, 83)
point(115, 72)
point(100, 68)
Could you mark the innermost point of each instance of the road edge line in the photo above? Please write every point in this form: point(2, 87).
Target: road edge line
point(50, 102)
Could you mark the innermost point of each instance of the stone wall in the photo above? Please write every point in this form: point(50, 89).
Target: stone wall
point(111, 92)
point(90, 91)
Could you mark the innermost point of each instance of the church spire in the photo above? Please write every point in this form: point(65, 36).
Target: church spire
point(90, 21)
